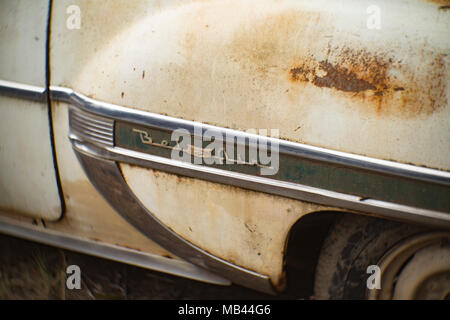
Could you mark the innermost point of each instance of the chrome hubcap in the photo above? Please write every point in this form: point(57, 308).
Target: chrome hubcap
point(416, 268)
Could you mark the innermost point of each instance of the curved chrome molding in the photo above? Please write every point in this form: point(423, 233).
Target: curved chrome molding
point(112, 252)
point(256, 183)
point(107, 178)
point(91, 128)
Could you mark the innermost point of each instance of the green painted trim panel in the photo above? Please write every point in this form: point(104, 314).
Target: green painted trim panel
point(362, 183)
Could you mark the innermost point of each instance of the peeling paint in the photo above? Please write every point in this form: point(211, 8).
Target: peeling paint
point(370, 79)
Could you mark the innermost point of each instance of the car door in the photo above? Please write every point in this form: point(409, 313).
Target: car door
point(28, 179)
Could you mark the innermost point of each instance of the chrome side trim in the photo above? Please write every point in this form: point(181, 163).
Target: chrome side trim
point(24, 91)
point(112, 252)
point(106, 176)
point(92, 128)
point(112, 111)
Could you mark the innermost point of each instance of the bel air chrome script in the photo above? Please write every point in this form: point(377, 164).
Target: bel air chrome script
point(221, 150)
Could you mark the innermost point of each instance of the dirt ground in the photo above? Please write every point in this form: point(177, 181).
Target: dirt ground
point(33, 271)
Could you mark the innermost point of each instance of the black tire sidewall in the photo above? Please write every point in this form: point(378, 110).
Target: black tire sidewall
point(352, 245)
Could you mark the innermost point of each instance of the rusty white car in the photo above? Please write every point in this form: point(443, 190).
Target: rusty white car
point(276, 145)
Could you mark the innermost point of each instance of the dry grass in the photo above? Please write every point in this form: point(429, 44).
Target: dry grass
point(31, 272)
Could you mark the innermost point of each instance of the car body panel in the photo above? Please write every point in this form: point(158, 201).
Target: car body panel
point(244, 227)
point(28, 183)
point(312, 70)
point(262, 64)
point(218, 209)
point(254, 64)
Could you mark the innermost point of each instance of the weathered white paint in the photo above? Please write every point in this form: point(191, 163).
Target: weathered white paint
point(27, 177)
point(23, 26)
point(244, 227)
point(232, 63)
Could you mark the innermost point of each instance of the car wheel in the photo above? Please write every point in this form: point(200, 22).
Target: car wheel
point(412, 262)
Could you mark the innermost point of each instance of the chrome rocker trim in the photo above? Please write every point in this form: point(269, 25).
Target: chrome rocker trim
point(108, 251)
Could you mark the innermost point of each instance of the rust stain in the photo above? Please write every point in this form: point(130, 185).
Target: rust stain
point(330, 76)
point(368, 78)
point(350, 72)
point(439, 2)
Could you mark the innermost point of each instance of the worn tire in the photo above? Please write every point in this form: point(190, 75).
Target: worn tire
point(354, 243)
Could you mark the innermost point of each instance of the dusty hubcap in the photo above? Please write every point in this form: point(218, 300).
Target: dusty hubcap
point(416, 268)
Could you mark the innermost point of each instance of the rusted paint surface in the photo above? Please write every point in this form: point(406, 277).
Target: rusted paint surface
point(324, 74)
point(441, 3)
point(377, 76)
point(277, 64)
point(370, 79)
